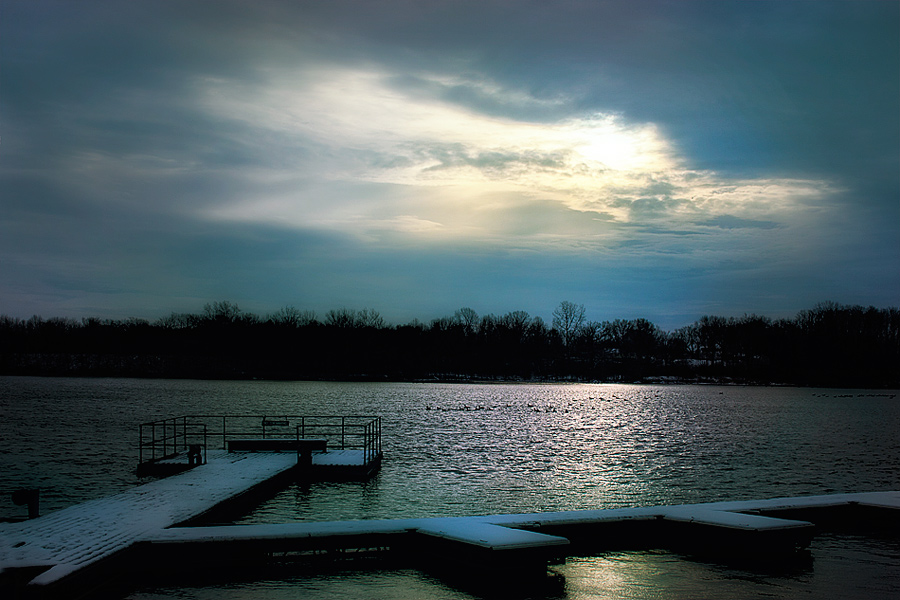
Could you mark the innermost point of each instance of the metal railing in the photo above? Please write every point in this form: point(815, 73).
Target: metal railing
point(166, 438)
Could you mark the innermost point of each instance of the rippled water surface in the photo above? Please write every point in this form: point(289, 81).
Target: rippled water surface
point(463, 449)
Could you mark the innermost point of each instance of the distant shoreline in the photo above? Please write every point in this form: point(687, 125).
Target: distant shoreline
point(828, 346)
point(454, 380)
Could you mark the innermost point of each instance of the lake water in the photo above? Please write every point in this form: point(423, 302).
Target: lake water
point(467, 449)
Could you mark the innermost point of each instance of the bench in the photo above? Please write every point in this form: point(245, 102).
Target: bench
point(304, 447)
point(278, 445)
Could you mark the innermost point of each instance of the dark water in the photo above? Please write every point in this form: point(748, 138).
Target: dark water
point(479, 449)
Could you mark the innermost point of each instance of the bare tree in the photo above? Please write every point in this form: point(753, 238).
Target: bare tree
point(468, 318)
point(224, 311)
point(368, 317)
point(344, 318)
point(291, 316)
point(517, 322)
point(177, 321)
point(568, 319)
point(348, 318)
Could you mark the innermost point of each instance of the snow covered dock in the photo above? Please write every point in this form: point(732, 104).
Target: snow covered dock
point(174, 444)
point(141, 526)
point(82, 535)
point(751, 520)
point(57, 547)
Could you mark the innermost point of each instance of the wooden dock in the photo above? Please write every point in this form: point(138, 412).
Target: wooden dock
point(62, 543)
point(154, 527)
point(60, 553)
point(558, 529)
point(353, 443)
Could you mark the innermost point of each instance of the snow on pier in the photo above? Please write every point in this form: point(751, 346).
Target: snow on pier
point(745, 529)
point(78, 536)
point(503, 531)
point(62, 544)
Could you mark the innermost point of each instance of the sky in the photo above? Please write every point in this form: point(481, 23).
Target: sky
point(663, 160)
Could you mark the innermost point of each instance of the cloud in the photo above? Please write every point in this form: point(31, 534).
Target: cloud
point(356, 125)
point(668, 151)
point(732, 222)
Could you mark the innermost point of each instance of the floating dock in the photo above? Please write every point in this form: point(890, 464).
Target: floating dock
point(154, 528)
point(343, 446)
point(63, 551)
point(63, 543)
point(70, 550)
point(721, 527)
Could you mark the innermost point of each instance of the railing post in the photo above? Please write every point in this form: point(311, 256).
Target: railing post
point(224, 445)
point(342, 432)
point(141, 444)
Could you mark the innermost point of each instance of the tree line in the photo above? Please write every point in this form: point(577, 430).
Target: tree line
point(828, 345)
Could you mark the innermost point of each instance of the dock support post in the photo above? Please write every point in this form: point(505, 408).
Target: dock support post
point(31, 497)
point(195, 456)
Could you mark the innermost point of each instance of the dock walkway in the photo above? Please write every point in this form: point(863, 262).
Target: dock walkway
point(501, 531)
point(64, 543)
point(79, 536)
point(257, 453)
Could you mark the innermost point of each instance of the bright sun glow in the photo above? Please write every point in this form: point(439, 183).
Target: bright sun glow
point(617, 147)
point(351, 125)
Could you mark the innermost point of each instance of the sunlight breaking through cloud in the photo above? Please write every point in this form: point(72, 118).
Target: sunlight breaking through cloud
point(333, 125)
point(661, 159)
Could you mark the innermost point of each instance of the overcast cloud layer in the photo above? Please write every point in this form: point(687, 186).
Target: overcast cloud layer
point(659, 160)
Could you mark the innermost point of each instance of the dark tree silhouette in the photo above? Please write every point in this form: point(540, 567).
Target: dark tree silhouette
point(829, 344)
point(568, 318)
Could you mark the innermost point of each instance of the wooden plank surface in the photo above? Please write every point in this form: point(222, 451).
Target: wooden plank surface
point(75, 537)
